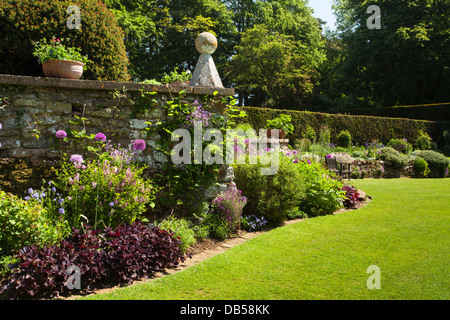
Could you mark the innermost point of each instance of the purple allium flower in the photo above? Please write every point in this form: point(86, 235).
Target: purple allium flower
point(329, 156)
point(76, 158)
point(61, 134)
point(139, 145)
point(100, 137)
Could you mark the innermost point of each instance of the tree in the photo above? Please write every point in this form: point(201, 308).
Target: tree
point(160, 34)
point(272, 67)
point(291, 83)
point(407, 61)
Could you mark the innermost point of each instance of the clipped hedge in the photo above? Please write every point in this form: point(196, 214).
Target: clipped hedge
point(437, 163)
point(362, 128)
point(22, 22)
point(432, 112)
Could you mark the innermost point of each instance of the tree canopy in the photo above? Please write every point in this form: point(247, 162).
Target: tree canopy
point(406, 61)
point(274, 52)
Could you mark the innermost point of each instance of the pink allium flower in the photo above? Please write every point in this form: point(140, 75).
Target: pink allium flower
point(139, 145)
point(61, 134)
point(76, 158)
point(100, 137)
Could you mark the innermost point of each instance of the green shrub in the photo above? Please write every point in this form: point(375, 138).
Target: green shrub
point(309, 134)
point(270, 196)
point(100, 38)
point(324, 195)
point(324, 136)
point(344, 139)
point(182, 229)
point(446, 136)
point(358, 154)
point(392, 158)
point(18, 223)
point(420, 167)
point(437, 163)
point(403, 145)
point(423, 141)
point(24, 222)
point(303, 144)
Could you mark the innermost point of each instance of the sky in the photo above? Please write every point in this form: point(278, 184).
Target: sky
point(323, 10)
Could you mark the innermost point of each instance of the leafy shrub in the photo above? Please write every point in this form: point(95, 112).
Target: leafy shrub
point(358, 154)
point(437, 163)
point(303, 144)
point(270, 196)
point(324, 136)
point(175, 76)
point(420, 167)
point(18, 223)
point(133, 251)
point(356, 173)
point(423, 141)
point(24, 223)
point(309, 134)
point(181, 229)
point(100, 38)
point(323, 194)
point(403, 144)
point(392, 158)
point(344, 139)
point(352, 197)
point(116, 256)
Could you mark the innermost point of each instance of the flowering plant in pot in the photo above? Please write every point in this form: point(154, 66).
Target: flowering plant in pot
point(282, 123)
point(59, 60)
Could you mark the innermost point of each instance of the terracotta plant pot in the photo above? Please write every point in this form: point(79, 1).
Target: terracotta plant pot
point(281, 133)
point(63, 69)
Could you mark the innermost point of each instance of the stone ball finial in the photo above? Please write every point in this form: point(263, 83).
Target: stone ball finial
point(206, 42)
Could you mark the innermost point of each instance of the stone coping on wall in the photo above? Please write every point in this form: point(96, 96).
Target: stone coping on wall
point(109, 85)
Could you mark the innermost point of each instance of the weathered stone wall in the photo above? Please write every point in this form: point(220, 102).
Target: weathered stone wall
point(32, 106)
point(371, 169)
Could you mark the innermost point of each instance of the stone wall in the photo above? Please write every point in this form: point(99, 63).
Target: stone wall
point(32, 109)
point(378, 169)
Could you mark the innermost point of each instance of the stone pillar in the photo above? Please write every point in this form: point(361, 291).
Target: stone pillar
point(205, 73)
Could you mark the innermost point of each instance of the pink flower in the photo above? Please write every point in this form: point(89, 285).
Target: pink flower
point(76, 158)
point(61, 134)
point(139, 145)
point(100, 137)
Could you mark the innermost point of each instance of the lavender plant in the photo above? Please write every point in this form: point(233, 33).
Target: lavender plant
point(227, 210)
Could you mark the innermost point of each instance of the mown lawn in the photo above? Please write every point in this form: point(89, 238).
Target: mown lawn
point(405, 231)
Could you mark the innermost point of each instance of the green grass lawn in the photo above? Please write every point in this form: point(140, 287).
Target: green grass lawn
point(405, 231)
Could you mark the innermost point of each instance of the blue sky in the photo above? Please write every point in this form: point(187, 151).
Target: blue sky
point(323, 10)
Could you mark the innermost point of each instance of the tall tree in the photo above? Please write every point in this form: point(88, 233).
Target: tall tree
point(160, 34)
point(272, 68)
point(406, 61)
point(290, 18)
